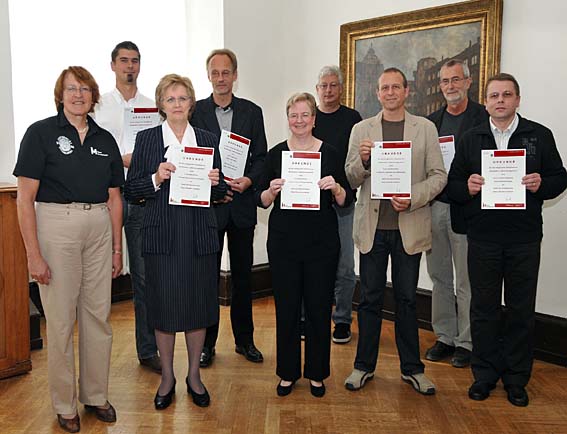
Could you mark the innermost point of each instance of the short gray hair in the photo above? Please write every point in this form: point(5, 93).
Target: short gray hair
point(330, 70)
point(454, 62)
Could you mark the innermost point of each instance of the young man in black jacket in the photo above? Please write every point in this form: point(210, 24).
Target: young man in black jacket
point(504, 245)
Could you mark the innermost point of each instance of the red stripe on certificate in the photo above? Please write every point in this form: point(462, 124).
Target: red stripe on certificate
point(396, 145)
point(446, 139)
point(194, 202)
point(145, 110)
point(312, 155)
point(226, 178)
point(510, 153)
point(509, 205)
point(240, 138)
point(304, 205)
point(201, 151)
point(396, 194)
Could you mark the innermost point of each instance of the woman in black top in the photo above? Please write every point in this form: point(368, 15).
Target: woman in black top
point(303, 247)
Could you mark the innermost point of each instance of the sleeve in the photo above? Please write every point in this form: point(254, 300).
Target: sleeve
point(355, 171)
point(553, 174)
point(259, 148)
point(267, 174)
point(139, 183)
point(116, 167)
point(32, 155)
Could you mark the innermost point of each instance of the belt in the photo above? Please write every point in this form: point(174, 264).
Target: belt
point(75, 205)
point(139, 202)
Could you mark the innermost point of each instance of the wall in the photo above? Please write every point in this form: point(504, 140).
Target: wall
point(7, 150)
point(282, 46)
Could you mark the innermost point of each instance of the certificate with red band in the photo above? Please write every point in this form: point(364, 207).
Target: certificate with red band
point(302, 172)
point(447, 145)
point(503, 171)
point(390, 170)
point(137, 119)
point(234, 152)
point(190, 184)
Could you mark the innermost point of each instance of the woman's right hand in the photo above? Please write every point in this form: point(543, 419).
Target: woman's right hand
point(39, 270)
point(276, 186)
point(164, 172)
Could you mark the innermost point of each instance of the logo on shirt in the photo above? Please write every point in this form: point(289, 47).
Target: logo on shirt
point(95, 151)
point(65, 145)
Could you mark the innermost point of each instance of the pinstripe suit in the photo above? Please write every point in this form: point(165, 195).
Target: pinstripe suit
point(179, 243)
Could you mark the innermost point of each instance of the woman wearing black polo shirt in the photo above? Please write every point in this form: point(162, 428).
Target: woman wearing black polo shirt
point(70, 213)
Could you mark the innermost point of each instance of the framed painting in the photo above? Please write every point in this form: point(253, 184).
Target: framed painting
point(419, 43)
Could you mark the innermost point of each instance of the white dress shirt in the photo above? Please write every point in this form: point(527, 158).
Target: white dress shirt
point(502, 137)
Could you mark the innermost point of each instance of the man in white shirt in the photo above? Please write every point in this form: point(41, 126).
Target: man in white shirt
point(109, 114)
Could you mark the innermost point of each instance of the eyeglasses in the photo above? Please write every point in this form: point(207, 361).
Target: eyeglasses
point(326, 86)
point(296, 116)
point(506, 95)
point(75, 89)
point(181, 100)
point(452, 80)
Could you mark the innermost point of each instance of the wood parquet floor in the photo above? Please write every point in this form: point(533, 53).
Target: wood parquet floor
point(244, 398)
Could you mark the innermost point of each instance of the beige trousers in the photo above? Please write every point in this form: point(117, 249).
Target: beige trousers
point(76, 242)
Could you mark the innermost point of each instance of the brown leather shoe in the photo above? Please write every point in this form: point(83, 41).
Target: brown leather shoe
point(69, 425)
point(107, 415)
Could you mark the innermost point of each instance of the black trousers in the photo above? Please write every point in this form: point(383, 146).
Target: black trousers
point(503, 339)
point(240, 249)
point(313, 281)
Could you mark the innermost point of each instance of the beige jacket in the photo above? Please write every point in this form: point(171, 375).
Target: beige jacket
point(428, 178)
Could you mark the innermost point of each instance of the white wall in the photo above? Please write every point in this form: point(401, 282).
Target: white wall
point(282, 46)
point(7, 150)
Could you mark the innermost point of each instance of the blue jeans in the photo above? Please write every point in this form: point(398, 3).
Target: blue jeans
point(345, 278)
point(405, 274)
point(145, 338)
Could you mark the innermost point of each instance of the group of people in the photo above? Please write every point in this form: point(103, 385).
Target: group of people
point(73, 198)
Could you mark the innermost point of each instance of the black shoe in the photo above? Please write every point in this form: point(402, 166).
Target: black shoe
point(161, 402)
point(439, 351)
point(250, 352)
point(207, 356)
point(317, 391)
point(284, 390)
point(517, 395)
point(153, 363)
point(200, 399)
point(480, 391)
point(341, 334)
point(461, 358)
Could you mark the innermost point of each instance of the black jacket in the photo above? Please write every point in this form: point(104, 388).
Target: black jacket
point(247, 121)
point(474, 115)
point(505, 226)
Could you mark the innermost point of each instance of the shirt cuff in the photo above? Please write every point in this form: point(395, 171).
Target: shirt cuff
point(156, 187)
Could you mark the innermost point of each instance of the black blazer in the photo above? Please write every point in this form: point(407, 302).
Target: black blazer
point(247, 121)
point(475, 114)
point(157, 231)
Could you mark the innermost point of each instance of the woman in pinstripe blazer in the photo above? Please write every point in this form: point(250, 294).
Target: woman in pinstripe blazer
point(179, 243)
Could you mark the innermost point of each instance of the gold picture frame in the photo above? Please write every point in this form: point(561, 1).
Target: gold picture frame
point(425, 38)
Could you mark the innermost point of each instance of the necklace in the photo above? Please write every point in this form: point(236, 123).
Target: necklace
point(84, 130)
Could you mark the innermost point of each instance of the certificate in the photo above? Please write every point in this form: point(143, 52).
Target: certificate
point(234, 151)
point(137, 119)
point(390, 170)
point(503, 171)
point(447, 145)
point(190, 184)
point(302, 172)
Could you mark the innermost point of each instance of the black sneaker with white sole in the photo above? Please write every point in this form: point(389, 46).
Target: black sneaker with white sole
point(341, 335)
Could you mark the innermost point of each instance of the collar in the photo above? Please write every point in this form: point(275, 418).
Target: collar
point(169, 137)
point(227, 108)
point(509, 129)
point(63, 122)
point(120, 99)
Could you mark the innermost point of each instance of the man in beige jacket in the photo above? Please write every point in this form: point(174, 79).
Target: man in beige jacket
point(397, 228)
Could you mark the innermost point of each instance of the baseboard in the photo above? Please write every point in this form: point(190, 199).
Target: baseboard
point(261, 284)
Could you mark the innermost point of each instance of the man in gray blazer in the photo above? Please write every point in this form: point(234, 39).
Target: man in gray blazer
point(397, 228)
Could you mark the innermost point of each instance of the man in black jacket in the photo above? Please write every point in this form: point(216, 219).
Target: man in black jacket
point(504, 245)
point(450, 314)
point(236, 217)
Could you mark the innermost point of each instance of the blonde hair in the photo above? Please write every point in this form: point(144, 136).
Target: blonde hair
point(168, 81)
point(302, 97)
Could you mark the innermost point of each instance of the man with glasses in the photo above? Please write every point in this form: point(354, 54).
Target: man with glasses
point(450, 320)
point(504, 244)
point(398, 229)
point(333, 124)
point(236, 217)
point(109, 113)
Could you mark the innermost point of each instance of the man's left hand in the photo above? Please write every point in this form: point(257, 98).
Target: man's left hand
point(532, 181)
point(240, 184)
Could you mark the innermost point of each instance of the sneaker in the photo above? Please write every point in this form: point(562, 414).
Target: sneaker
point(420, 383)
point(341, 335)
point(439, 351)
point(461, 358)
point(357, 379)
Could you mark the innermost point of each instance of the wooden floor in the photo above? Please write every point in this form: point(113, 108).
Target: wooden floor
point(244, 398)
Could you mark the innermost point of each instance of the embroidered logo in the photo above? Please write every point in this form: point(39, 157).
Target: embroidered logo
point(95, 151)
point(65, 145)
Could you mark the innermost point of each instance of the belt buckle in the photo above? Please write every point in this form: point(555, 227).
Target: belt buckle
point(87, 206)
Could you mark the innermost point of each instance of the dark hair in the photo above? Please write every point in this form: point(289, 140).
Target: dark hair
point(394, 69)
point(84, 77)
point(124, 45)
point(503, 77)
point(226, 52)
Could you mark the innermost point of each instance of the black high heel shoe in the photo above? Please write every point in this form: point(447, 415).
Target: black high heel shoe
point(200, 399)
point(161, 402)
point(284, 390)
point(317, 391)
